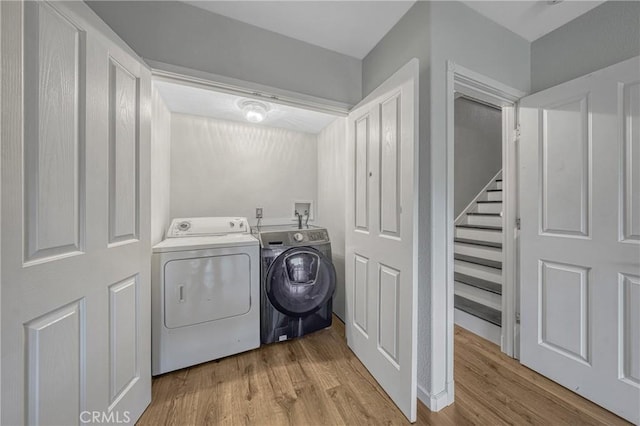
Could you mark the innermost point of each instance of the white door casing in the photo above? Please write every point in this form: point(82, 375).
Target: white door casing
point(381, 238)
point(580, 236)
point(75, 241)
point(461, 80)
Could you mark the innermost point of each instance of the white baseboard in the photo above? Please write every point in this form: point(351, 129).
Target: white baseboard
point(482, 328)
point(436, 402)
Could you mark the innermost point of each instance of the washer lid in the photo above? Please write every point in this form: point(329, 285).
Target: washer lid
point(205, 242)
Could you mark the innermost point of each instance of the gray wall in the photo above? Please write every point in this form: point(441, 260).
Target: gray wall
point(478, 150)
point(408, 39)
point(180, 34)
point(604, 36)
point(435, 32)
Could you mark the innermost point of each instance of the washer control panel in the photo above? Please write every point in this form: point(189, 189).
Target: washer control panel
point(292, 238)
point(309, 236)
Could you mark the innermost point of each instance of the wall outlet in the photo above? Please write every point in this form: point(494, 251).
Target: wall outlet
point(258, 212)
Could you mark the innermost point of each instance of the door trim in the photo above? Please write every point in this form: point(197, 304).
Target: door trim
point(204, 80)
point(489, 91)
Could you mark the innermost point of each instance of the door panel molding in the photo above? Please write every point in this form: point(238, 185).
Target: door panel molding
point(124, 179)
point(557, 291)
point(565, 137)
point(54, 135)
point(629, 328)
point(56, 344)
point(361, 294)
point(362, 172)
point(389, 313)
point(123, 338)
point(390, 166)
point(629, 118)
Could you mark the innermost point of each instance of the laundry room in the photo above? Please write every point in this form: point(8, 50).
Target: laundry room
point(244, 212)
point(210, 160)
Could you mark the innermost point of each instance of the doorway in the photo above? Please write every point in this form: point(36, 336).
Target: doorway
point(462, 82)
point(478, 197)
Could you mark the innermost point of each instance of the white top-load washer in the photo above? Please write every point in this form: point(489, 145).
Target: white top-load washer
point(205, 292)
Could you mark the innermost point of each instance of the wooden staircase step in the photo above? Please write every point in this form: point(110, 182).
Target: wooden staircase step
point(485, 227)
point(478, 261)
point(478, 242)
point(499, 180)
point(485, 285)
point(484, 214)
point(478, 310)
point(487, 202)
point(494, 190)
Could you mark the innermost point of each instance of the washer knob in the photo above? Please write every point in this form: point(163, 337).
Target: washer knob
point(298, 237)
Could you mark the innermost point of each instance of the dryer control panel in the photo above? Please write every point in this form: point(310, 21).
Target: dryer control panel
point(205, 226)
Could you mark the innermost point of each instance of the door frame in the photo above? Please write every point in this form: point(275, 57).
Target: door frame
point(487, 90)
point(244, 88)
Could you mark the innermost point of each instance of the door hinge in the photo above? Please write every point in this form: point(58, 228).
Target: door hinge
point(516, 133)
point(518, 224)
point(517, 317)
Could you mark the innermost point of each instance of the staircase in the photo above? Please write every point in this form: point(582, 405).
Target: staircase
point(478, 263)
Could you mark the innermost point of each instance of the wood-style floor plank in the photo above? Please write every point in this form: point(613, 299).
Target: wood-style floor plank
point(316, 380)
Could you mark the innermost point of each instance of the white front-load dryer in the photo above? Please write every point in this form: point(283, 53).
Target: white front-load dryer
point(205, 292)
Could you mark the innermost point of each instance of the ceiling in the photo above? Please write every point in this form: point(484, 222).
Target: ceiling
point(184, 99)
point(532, 19)
point(353, 28)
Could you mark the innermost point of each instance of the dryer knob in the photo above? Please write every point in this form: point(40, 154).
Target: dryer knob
point(298, 237)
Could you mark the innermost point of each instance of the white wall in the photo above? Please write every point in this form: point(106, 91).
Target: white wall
point(160, 166)
point(225, 168)
point(331, 198)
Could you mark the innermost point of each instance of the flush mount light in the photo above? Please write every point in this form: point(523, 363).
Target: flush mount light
point(254, 111)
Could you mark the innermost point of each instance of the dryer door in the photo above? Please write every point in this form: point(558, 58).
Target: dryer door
point(206, 289)
point(300, 281)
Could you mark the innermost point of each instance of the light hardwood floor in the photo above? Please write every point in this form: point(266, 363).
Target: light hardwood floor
point(316, 380)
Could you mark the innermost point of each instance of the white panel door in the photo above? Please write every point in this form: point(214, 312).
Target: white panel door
point(381, 282)
point(75, 241)
point(580, 237)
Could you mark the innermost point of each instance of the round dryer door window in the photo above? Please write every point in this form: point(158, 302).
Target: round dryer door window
point(300, 281)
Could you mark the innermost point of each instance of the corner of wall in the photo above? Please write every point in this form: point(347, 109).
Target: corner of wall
point(160, 166)
point(439, 401)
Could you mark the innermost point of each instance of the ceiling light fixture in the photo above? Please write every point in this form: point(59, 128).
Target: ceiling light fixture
point(254, 111)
